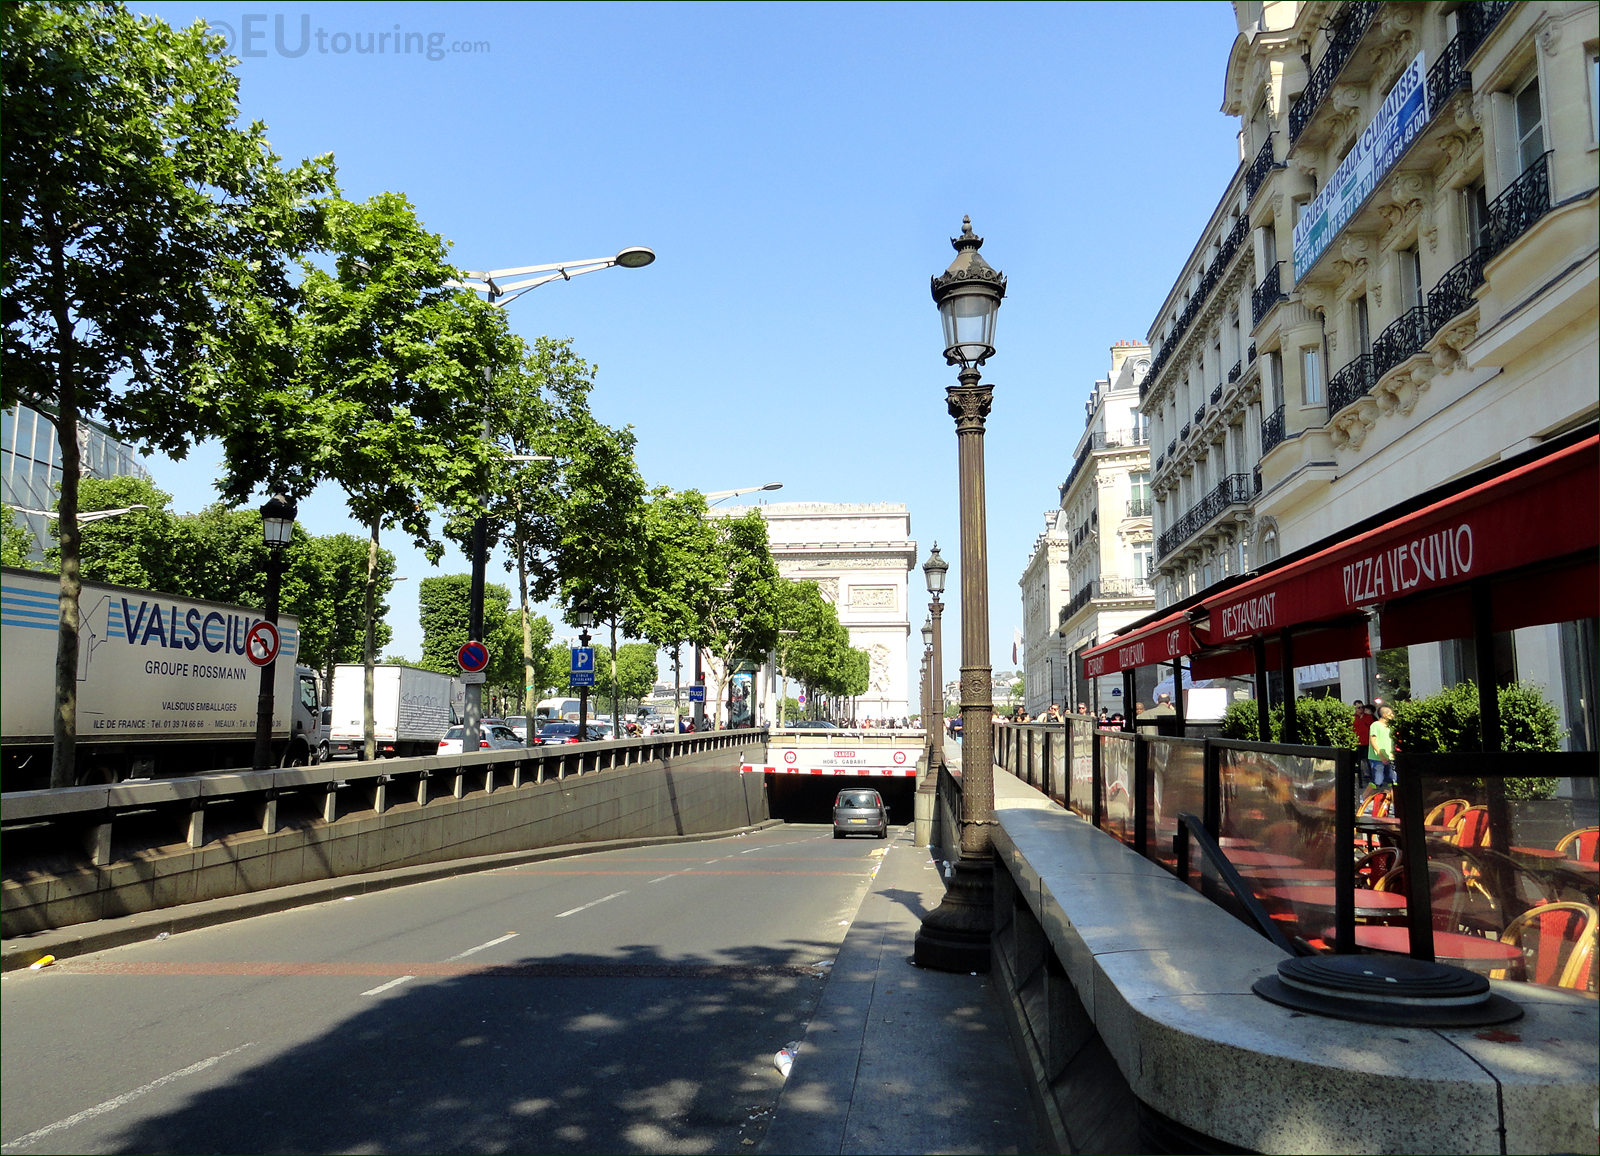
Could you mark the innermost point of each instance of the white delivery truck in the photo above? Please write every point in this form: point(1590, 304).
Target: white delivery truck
point(411, 709)
point(165, 686)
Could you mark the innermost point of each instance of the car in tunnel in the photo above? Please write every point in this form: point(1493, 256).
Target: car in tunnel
point(860, 811)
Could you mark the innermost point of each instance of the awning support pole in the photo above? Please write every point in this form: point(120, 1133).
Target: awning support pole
point(1291, 732)
point(1258, 650)
point(1489, 729)
point(1177, 693)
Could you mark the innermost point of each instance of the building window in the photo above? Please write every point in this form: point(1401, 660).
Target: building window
point(1273, 371)
point(1594, 93)
point(1410, 277)
point(1143, 555)
point(1311, 374)
point(1363, 326)
point(1530, 125)
point(1476, 204)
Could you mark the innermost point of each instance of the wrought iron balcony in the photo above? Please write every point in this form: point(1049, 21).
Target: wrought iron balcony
point(1172, 448)
point(1233, 490)
point(1139, 507)
point(1515, 211)
point(1453, 293)
point(1199, 416)
point(1449, 72)
point(1236, 372)
point(1183, 434)
point(1353, 381)
point(1272, 431)
point(1354, 19)
point(1250, 354)
point(1267, 294)
point(1256, 175)
point(1476, 21)
point(1216, 395)
point(1255, 476)
point(1404, 336)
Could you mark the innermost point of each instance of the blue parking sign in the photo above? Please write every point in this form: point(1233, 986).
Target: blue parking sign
point(582, 666)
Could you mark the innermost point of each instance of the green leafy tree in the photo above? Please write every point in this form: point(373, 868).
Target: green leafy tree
point(381, 387)
point(443, 603)
point(16, 544)
point(144, 231)
point(636, 671)
point(737, 621)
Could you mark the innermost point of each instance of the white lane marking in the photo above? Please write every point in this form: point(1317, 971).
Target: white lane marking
point(116, 1102)
point(595, 903)
point(664, 878)
point(482, 947)
point(383, 987)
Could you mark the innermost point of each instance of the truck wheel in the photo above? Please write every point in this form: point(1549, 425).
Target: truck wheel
point(296, 756)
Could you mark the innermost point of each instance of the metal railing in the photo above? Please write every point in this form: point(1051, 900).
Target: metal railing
point(1354, 20)
point(1235, 373)
point(1233, 490)
point(1515, 210)
point(1227, 247)
point(1267, 294)
point(1353, 381)
point(1256, 175)
point(1272, 431)
point(1453, 294)
point(1449, 72)
point(1402, 339)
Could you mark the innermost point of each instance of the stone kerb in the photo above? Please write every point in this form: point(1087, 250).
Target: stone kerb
point(1163, 980)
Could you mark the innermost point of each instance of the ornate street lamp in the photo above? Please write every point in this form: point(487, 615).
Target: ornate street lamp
point(585, 620)
point(955, 935)
point(277, 528)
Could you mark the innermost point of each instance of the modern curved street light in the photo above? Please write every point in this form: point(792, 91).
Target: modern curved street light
point(955, 935)
point(500, 292)
point(724, 495)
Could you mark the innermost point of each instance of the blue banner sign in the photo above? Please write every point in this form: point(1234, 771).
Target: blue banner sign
point(1401, 118)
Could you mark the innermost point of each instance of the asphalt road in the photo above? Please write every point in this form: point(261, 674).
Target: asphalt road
point(625, 1001)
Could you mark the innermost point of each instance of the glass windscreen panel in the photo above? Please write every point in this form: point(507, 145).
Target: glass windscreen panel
point(1080, 781)
point(1177, 787)
point(1277, 830)
point(1117, 785)
point(1512, 868)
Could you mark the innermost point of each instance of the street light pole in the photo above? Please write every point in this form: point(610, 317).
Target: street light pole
point(934, 570)
point(489, 283)
point(584, 619)
point(955, 935)
point(277, 527)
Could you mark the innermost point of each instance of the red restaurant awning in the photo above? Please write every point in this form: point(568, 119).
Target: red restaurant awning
point(1533, 531)
point(1540, 512)
point(1161, 641)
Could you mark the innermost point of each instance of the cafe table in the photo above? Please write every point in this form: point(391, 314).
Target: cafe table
point(1470, 951)
point(1368, 904)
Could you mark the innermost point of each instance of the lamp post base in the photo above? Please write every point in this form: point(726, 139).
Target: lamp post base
point(955, 935)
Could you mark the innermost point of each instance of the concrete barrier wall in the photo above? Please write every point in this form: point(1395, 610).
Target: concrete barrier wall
point(696, 793)
point(1130, 995)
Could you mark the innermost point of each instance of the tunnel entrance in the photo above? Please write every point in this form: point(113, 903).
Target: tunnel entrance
point(809, 798)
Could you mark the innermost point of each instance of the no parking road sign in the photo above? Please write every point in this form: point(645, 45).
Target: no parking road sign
point(261, 645)
point(472, 657)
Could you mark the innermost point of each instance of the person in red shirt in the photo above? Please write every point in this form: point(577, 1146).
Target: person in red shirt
point(1362, 722)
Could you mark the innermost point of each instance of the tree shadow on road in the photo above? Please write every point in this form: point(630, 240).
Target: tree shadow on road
point(628, 1052)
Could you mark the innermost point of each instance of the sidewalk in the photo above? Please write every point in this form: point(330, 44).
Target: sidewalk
point(897, 1059)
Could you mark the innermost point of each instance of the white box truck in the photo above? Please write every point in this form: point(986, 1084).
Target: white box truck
point(164, 684)
point(411, 709)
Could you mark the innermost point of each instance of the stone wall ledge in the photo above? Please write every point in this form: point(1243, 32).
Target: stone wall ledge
point(1166, 977)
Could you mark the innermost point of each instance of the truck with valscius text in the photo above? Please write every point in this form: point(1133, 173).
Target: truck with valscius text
point(411, 709)
point(166, 686)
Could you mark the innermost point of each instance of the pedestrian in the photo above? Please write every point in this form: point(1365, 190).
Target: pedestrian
point(1380, 740)
point(1361, 722)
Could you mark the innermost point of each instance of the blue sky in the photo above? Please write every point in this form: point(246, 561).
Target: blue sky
point(799, 170)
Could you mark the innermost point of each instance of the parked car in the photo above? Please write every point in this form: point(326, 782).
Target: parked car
point(492, 736)
point(562, 731)
point(860, 811)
